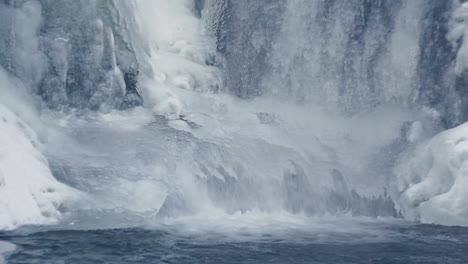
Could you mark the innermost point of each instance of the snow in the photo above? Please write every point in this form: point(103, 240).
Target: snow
point(433, 179)
point(29, 194)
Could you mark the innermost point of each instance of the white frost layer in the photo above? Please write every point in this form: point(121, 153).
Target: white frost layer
point(434, 181)
point(29, 194)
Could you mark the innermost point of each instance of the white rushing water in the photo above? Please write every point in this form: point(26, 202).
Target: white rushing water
point(149, 109)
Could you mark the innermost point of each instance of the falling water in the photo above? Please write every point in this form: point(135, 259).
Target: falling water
point(148, 109)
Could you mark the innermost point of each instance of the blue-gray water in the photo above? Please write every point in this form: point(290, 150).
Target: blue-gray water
point(399, 243)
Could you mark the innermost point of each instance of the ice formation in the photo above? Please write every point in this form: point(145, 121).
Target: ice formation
point(29, 194)
point(432, 177)
point(433, 180)
point(147, 109)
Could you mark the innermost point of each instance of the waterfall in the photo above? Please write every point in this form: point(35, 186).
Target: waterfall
point(145, 109)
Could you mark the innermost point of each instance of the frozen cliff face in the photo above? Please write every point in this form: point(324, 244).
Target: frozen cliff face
point(72, 53)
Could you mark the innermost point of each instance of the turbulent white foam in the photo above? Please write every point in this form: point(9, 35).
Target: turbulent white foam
point(257, 225)
point(433, 179)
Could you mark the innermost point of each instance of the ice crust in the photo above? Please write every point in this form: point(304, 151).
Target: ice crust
point(29, 194)
point(433, 179)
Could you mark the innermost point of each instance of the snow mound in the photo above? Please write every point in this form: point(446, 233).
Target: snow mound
point(29, 194)
point(433, 182)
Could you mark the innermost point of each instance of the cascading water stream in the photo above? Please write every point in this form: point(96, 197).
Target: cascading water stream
point(150, 109)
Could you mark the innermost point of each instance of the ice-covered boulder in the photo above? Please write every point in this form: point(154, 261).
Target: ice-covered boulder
point(433, 180)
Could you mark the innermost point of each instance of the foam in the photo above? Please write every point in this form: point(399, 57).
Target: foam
point(258, 225)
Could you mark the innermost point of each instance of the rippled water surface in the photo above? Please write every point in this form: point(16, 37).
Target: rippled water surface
point(380, 243)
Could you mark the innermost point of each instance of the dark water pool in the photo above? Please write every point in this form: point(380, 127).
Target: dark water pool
point(398, 244)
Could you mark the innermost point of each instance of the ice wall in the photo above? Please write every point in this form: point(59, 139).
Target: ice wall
point(72, 53)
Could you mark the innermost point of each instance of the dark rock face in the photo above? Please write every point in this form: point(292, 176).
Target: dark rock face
point(82, 50)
